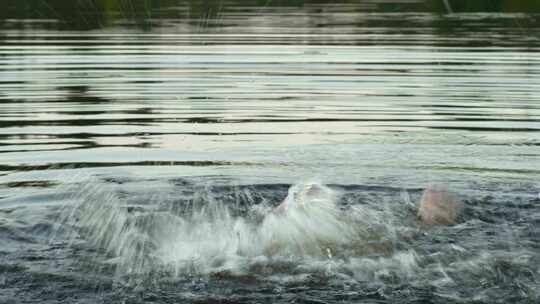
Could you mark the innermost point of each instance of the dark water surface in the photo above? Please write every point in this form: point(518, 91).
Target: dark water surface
point(143, 143)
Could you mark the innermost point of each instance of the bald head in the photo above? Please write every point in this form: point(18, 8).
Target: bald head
point(438, 207)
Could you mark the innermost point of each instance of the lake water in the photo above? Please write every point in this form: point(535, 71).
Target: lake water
point(144, 143)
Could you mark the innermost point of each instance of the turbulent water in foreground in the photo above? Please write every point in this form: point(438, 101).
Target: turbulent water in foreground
point(144, 147)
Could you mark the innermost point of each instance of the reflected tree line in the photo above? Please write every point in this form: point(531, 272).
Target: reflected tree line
point(95, 14)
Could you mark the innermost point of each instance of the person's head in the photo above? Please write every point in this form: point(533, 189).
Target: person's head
point(438, 207)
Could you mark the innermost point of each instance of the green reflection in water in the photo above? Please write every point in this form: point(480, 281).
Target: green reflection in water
point(95, 14)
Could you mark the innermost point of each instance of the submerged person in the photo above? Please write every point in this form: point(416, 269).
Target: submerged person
point(437, 206)
point(310, 223)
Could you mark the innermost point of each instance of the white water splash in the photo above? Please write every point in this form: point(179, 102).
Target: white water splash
point(308, 229)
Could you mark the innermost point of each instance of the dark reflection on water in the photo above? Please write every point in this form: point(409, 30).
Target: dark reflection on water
point(147, 103)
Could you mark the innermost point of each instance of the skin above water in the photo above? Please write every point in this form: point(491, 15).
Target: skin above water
point(438, 207)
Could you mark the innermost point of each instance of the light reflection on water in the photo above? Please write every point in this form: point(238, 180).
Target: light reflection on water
point(157, 100)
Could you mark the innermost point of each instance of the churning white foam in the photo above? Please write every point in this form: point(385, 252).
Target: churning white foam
point(307, 230)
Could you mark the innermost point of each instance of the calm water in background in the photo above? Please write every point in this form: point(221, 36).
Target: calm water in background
point(150, 99)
